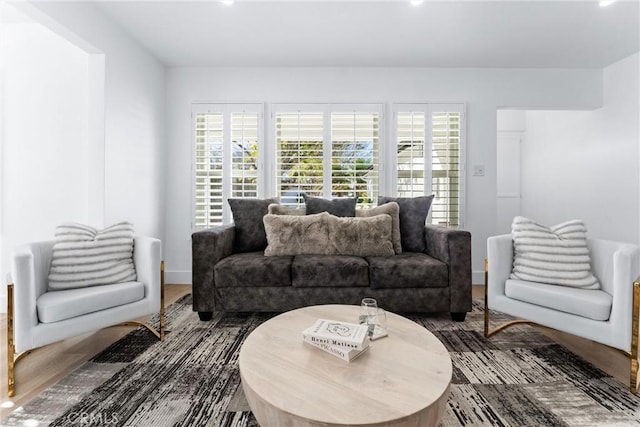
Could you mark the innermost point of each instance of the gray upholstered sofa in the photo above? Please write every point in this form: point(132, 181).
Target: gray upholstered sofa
point(437, 279)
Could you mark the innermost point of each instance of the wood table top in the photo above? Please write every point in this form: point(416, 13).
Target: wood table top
point(399, 376)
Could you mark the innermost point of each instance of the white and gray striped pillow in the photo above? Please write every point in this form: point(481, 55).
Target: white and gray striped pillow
point(558, 255)
point(83, 256)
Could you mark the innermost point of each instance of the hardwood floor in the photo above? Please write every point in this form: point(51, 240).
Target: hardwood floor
point(46, 365)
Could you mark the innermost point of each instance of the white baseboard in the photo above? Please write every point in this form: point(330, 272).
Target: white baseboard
point(177, 277)
point(477, 277)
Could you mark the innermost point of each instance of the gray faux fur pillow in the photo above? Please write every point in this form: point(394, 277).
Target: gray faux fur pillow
point(368, 236)
point(392, 209)
point(325, 234)
point(297, 234)
point(278, 209)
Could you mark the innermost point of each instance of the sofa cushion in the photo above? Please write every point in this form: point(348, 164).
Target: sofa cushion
point(329, 270)
point(253, 269)
point(556, 255)
point(55, 306)
point(84, 256)
point(249, 228)
point(393, 210)
point(343, 206)
point(413, 216)
point(407, 270)
point(590, 303)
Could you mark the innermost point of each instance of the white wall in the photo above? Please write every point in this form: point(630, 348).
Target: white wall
point(123, 158)
point(44, 135)
point(584, 164)
point(134, 155)
point(483, 91)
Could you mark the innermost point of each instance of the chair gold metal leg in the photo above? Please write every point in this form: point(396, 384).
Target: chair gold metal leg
point(487, 331)
point(635, 318)
point(486, 299)
point(12, 357)
point(11, 349)
point(162, 319)
point(157, 332)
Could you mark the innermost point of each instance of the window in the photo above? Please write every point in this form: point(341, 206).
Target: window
point(327, 151)
point(428, 157)
point(226, 158)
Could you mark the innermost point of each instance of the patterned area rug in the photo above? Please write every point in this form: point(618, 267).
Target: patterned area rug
point(517, 378)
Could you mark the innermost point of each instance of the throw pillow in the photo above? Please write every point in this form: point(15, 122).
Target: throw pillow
point(392, 209)
point(556, 255)
point(325, 234)
point(413, 215)
point(368, 236)
point(297, 235)
point(278, 209)
point(343, 206)
point(84, 256)
point(249, 228)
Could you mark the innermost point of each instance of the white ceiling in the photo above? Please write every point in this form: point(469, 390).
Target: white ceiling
point(531, 34)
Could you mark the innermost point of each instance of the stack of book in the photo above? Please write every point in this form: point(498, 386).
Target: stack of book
point(344, 340)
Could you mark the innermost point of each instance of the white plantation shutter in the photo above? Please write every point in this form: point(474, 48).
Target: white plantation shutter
point(299, 156)
point(428, 157)
point(208, 169)
point(226, 159)
point(410, 154)
point(355, 156)
point(244, 155)
point(445, 175)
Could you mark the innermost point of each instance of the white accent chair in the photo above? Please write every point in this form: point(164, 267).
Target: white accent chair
point(608, 316)
point(37, 317)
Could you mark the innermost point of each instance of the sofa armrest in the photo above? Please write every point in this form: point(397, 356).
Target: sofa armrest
point(453, 247)
point(207, 248)
point(30, 271)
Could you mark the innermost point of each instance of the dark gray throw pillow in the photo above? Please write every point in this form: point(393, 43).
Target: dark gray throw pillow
point(413, 214)
point(343, 206)
point(249, 227)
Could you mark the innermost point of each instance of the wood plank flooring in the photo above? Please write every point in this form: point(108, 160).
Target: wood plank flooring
point(46, 365)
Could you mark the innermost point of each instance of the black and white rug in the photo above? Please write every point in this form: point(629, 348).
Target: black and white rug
point(517, 378)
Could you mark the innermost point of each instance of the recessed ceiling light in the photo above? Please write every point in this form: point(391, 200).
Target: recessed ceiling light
point(416, 2)
point(605, 3)
point(227, 2)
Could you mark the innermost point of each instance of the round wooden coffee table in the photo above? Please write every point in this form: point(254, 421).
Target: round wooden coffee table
point(402, 380)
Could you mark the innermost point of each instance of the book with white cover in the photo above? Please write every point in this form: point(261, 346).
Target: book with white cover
point(340, 352)
point(337, 333)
